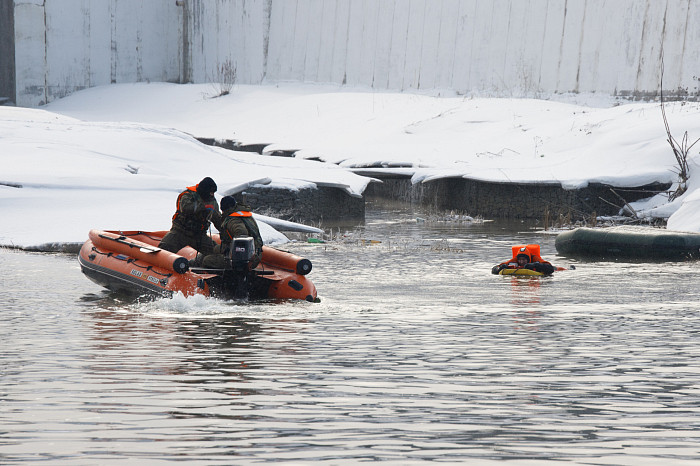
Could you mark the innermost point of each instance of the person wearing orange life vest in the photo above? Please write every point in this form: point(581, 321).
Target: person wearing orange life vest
point(525, 258)
point(237, 221)
point(196, 210)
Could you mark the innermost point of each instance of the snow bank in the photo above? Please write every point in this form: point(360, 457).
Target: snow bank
point(116, 157)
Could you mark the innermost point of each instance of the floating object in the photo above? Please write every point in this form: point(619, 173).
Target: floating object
point(315, 240)
point(627, 242)
point(131, 262)
point(521, 272)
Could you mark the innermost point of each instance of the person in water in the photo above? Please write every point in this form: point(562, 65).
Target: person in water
point(196, 209)
point(524, 258)
point(237, 222)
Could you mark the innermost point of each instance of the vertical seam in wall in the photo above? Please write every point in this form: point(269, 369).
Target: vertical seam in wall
point(663, 37)
point(266, 38)
point(403, 68)
point(561, 46)
point(580, 46)
point(439, 36)
point(363, 23)
point(471, 50)
point(46, 56)
point(451, 78)
point(294, 34)
point(544, 36)
point(319, 52)
point(333, 41)
point(12, 84)
point(345, 43)
point(139, 58)
point(422, 44)
point(641, 47)
point(88, 26)
point(376, 38)
point(685, 37)
point(505, 51)
point(494, 8)
point(189, 37)
point(112, 44)
point(304, 72)
point(391, 44)
point(305, 42)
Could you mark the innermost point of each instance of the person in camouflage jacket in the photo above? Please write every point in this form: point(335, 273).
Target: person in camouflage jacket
point(237, 222)
point(196, 210)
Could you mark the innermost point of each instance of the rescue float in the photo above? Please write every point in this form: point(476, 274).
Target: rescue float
point(521, 272)
point(131, 262)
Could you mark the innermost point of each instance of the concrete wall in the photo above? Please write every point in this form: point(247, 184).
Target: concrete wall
point(499, 47)
point(506, 47)
point(66, 45)
point(221, 31)
point(7, 52)
point(322, 205)
point(511, 200)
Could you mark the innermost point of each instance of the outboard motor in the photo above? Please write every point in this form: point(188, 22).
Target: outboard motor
point(241, 251)
point(240, 254)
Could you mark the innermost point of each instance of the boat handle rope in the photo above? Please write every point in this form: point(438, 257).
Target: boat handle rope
point(123, 240)
point(144, 234)
point(133, 261)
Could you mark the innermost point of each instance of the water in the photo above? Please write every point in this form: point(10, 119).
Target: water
point(416, 353)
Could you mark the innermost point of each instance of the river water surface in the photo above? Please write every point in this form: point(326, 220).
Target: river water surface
point(415, 354)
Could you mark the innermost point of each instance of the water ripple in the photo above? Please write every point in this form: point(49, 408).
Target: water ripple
point(416, 353)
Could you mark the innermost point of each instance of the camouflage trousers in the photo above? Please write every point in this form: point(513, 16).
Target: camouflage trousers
point(175, 240)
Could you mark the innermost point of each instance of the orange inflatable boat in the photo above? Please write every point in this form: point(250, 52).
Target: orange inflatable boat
point(132, 262)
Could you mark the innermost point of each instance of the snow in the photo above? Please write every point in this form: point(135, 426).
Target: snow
point(115, 157)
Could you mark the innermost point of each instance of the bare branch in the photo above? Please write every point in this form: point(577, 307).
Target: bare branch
point(680, 151)
point(225, 78)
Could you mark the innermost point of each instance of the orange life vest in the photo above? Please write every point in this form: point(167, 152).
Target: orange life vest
point(191, 222)
point(245, 216)
point(240, 213)
point(177, 203)
point(532, 251)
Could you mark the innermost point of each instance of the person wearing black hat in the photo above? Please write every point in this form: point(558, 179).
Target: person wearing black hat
point(237, 222)
point(196, 209)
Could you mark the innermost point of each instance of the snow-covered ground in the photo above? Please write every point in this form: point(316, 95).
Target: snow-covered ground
point(115, 157)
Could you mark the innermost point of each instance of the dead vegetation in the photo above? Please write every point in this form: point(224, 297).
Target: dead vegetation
point(680, 149)
point(224, 79)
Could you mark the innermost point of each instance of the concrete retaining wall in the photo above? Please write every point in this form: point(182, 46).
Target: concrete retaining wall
point(476, 198)
point(510, 200)
point(311, 206)
point(498, 47)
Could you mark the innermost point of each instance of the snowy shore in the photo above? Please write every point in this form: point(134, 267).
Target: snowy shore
point(115, 157)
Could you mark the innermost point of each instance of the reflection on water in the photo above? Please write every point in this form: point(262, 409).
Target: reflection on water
point(415, 353)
